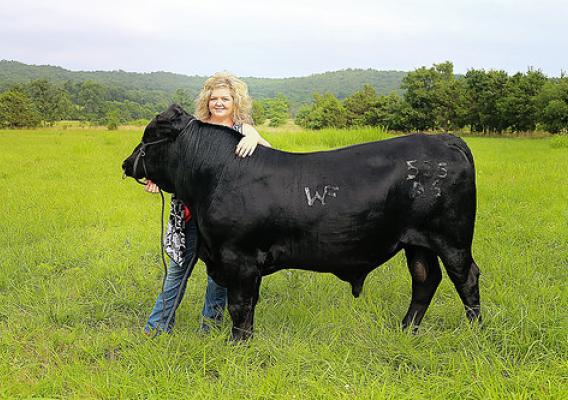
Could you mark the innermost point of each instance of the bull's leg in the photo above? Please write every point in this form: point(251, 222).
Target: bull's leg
point(426, 276)
point(243, 296)
point(464, 273)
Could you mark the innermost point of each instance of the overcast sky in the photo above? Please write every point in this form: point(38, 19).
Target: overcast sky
point(284, 38)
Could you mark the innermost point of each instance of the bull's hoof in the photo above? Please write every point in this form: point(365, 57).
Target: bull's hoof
point(473, 313)
point(239, 336)
point(405, 325)
point(476, 321)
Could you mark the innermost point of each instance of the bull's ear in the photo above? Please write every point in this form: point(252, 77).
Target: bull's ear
point(172, 121)
point(176, 110)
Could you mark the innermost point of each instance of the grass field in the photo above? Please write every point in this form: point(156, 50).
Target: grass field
point(80, 270)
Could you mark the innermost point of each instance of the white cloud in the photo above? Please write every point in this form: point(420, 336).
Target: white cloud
point(277, 38)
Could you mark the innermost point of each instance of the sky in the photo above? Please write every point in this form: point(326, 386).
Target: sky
point(285, 38)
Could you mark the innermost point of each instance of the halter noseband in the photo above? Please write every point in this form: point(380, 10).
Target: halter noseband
point(140, 155)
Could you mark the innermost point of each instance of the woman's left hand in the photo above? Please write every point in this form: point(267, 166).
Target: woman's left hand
point(246, 146)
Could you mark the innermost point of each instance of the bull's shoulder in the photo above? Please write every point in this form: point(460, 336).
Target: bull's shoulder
point(216, 132)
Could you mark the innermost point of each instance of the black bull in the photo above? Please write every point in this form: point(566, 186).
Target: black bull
point(344, 211)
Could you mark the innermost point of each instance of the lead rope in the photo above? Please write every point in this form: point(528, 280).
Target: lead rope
point(189, 270)
point(186, 275)
point(140, 155)
point(185, 278)
point(163, 258)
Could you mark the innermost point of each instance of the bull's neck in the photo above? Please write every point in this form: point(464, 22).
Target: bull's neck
point(204, 154)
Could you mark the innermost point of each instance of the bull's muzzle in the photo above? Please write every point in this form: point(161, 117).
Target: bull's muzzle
point(131, 165)
point(124, 171)
point(127, 168)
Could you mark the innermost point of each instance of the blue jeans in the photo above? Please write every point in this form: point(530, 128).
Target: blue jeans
point(215, 295)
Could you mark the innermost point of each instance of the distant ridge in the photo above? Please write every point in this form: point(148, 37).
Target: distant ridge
point(298, 89)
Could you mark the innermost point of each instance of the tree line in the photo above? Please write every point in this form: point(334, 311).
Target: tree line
point(435, 99)
point(43, 102)
point(429, 99)
point(297, 89)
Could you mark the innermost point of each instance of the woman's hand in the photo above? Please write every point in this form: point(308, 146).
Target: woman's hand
point(151, 187)
point(251, 139)
point(246, 146)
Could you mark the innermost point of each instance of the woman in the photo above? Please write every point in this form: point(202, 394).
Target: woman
point(224, 100)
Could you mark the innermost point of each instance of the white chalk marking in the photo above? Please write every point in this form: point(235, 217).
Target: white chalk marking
point(328, 190)
point(419, 176)
point(412, 170)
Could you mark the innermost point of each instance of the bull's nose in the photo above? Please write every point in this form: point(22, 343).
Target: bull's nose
point(125, 168)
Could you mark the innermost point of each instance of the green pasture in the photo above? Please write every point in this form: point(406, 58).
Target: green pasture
point(80, 270)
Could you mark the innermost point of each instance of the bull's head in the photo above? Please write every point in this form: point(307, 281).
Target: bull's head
point(156, 156)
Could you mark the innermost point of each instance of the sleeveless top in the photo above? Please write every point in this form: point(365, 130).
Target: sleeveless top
point(174, 240)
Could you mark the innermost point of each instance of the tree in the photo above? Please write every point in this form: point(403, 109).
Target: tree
point(360, 103)
point(449, 101)
point(435, 96)
point(277, 110)
point(17, 110)
point(325, 111)
point(553, 103)
point(419, 94)
point(258, 112)
point(112, 120)
point(303, 115)
point(555, 116)
point(482, 91)
point(390, 112)
point(91, 97)
point(52, 103)
point(184, 99)
point(518, 106)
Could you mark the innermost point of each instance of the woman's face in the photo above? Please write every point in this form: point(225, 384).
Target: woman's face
point(221, 104)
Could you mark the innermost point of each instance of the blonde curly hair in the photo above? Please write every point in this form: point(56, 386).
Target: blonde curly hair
point(239, 92)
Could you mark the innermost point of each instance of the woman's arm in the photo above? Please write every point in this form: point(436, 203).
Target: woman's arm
point(251, 139)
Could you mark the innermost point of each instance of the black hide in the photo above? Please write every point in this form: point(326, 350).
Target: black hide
point(344, 211)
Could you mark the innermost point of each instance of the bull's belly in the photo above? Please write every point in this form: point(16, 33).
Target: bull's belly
point(331, 257)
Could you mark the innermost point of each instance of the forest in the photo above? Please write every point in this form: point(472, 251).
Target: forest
point(427, 99)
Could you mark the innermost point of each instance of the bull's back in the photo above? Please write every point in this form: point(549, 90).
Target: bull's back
point(355, 203)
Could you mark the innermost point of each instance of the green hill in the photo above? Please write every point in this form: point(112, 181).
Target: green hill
point(298, 89)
